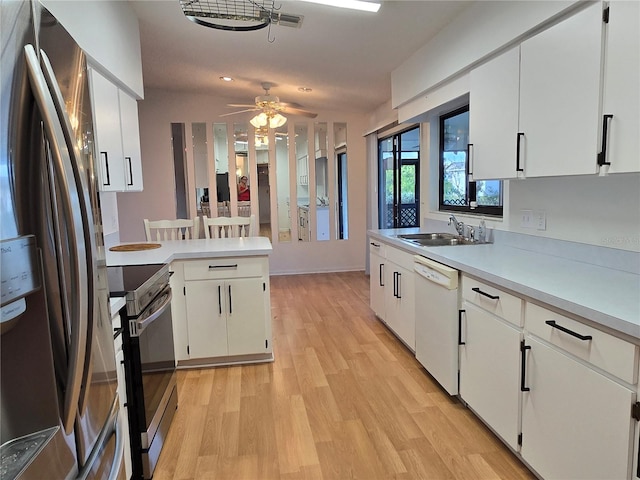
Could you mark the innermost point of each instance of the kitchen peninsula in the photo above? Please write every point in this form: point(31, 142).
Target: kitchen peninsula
point(221, 304)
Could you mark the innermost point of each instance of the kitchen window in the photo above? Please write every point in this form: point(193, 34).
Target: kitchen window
point(457, 193)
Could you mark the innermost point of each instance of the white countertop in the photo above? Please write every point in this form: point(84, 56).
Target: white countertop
point(603, 296)
point(187, 249)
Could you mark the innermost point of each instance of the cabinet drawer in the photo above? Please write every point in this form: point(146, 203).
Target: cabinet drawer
point(231, 267)
point(492, 299)
point(400, 257)
point(377, 247)
point(605, 351)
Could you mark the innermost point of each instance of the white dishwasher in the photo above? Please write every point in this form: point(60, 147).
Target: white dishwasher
point(437, 321)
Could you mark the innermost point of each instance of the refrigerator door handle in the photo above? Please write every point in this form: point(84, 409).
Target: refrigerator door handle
point(59, 147)
point(82, 195)
point(111, 428)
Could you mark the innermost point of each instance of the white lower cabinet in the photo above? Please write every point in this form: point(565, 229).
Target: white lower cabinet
point(225, 317)
point(490, 371)
point(222, 310)
point(576, 423)
point(392, 289)
point(399, 302)
point(376, 281)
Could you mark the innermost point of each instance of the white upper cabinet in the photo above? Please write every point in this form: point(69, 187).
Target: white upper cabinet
point(117, 136)
point(493, 117)
point(622, 88)
point(560, 87)
point(130, 141)
point(542, 109)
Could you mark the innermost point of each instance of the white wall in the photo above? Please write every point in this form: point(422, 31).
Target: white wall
point(479, 31)
point(161, 108)
point(108, 32)
point(602, 211)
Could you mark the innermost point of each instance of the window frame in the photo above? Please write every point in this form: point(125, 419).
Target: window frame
point(470, 191)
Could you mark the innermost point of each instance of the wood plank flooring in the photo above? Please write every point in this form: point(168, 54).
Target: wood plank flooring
point(343, 399)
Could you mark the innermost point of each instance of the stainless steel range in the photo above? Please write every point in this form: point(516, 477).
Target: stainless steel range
point(150, 366)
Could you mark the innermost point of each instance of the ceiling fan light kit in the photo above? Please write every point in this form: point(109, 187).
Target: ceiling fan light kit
point(270, 110)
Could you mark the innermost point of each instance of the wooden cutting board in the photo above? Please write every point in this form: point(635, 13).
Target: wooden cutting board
point(135, 247)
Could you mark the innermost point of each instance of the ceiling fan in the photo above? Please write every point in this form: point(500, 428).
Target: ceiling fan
point(271, 110)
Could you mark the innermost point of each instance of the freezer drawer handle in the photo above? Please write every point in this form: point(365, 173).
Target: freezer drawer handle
point(488, 295)
point(523, 366)
point(552, 323)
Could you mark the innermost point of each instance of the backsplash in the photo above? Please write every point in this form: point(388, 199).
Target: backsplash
point(623, 260)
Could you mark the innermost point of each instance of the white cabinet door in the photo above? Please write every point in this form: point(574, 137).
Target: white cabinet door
point(108, 135)
point(206, 318)
point(622, 87)
point(576, 423)
point(130, 142)
point(493, 117)
point(489, 371)
point(246, 322)
point(377, 284)
point(400, 302)
point(560, 88)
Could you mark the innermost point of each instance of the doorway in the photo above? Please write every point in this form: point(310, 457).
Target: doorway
point(399, 180)
point(264, 200)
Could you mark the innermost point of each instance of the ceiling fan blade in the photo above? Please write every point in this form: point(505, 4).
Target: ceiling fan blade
point(239, 111)
point(241, 105)
point(299, 111)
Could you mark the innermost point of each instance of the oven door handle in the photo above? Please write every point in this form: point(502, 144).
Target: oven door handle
point(142, 324)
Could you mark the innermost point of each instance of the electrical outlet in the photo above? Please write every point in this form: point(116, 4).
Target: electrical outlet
point(540, 219)
point(526, 218)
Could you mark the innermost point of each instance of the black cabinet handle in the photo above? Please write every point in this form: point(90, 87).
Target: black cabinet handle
point(219, 299)
point(130, 182)
point(105, 155)
point(395, 284)
point(469, 159)
point(602, 156)
point(488, 295)
point(523, 366)
point(399, 284)
point(214, 267)
point(230, 302)
point(552, 323)
point(518, 142)
point(460, 312)
point(381, 274)
point(374, 244)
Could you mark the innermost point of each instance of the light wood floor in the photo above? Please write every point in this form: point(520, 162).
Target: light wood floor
point(343, 399)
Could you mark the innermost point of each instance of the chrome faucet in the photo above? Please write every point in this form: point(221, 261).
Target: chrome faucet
point(459, 226)
point(472, 233)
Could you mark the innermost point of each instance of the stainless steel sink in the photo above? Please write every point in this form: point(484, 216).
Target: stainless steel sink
point(437, 239)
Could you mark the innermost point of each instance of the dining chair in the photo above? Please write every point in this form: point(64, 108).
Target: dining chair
point(223, 227)
point(181, 229)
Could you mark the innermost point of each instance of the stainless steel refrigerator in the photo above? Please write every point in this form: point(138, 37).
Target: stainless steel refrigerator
point(58, 402)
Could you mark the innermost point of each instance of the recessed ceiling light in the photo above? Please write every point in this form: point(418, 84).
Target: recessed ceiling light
point(352, 4)
point(226, 79)
point(305, 89)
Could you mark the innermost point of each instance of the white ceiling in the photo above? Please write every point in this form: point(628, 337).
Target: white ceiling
point(345, 56)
